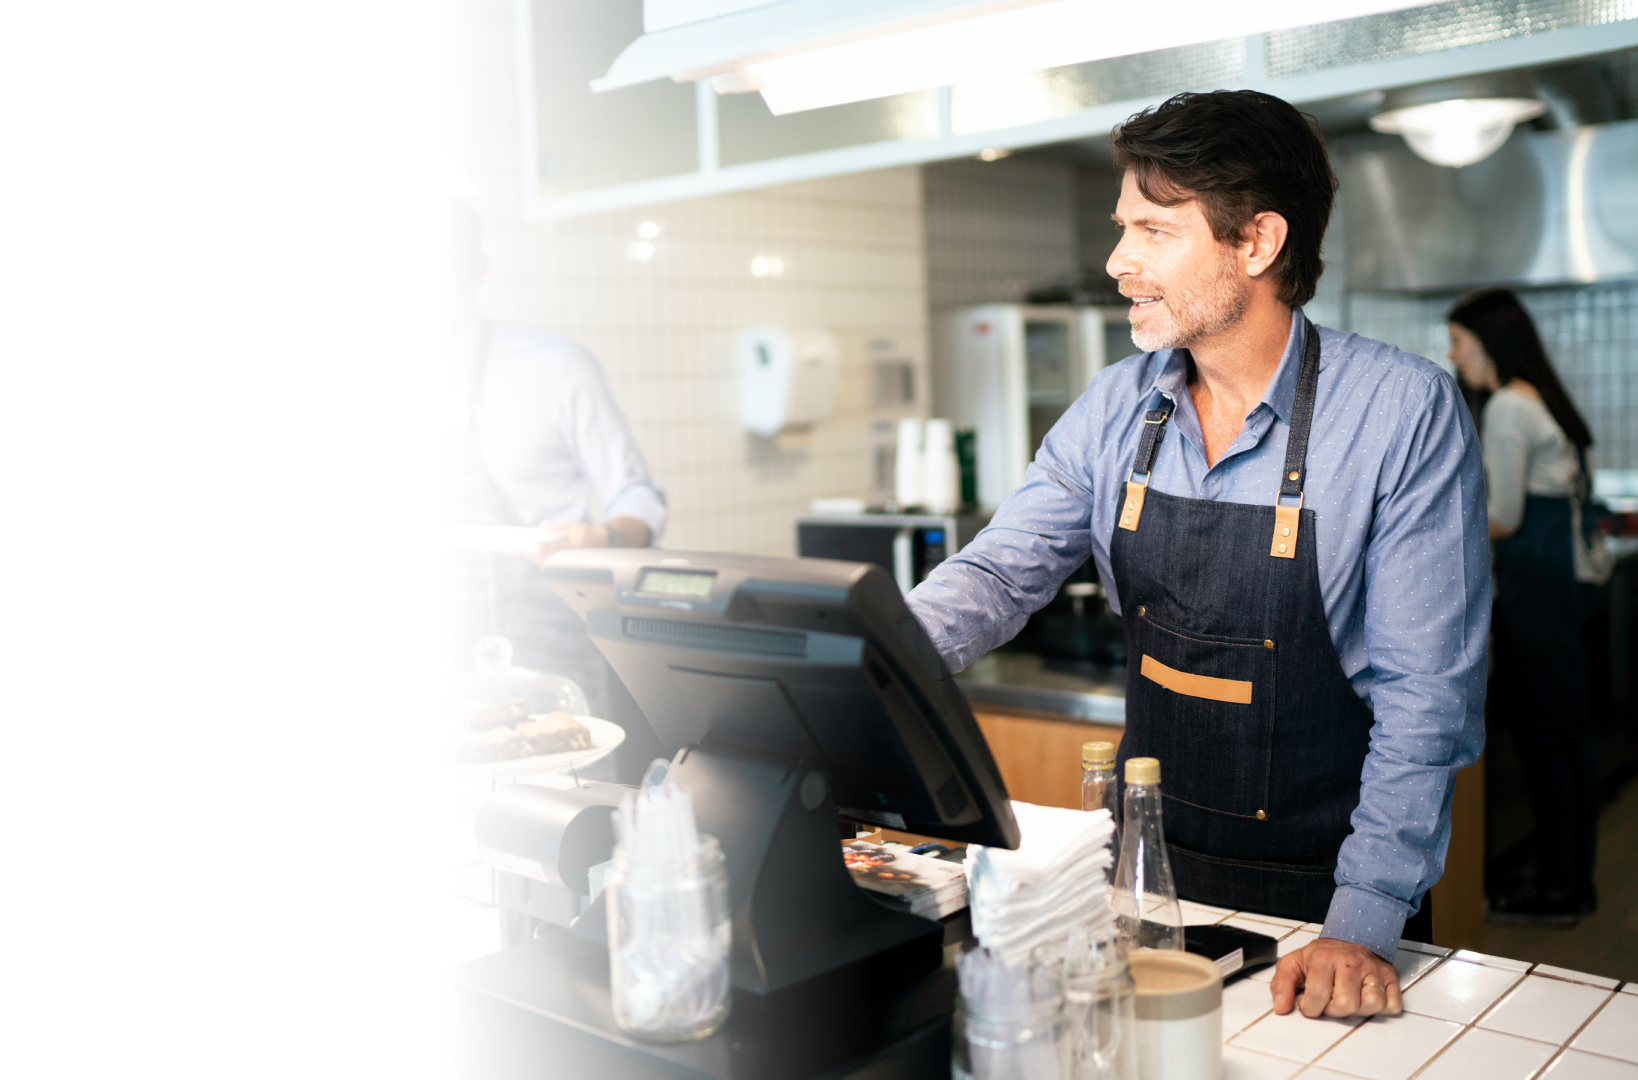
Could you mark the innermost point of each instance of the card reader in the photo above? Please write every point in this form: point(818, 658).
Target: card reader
point(1235, 951)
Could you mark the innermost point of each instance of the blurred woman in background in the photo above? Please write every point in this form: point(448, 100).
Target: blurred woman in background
point(1549, 571)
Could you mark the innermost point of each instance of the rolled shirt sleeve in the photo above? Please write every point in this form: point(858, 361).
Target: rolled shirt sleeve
point(1427, 618)
point(605, 452)
point(983, 596)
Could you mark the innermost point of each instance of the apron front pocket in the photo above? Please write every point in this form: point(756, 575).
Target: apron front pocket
point(1208, 706)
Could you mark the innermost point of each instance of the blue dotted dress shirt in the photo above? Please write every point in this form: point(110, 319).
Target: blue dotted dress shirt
point(1396, 482)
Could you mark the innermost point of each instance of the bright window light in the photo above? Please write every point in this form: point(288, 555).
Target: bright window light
point(767, 266)
point(1460, 131)
point(648, 230)
point(641, 250)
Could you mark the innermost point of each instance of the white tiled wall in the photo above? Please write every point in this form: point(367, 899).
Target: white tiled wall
point(853, 263)
point(997, 228)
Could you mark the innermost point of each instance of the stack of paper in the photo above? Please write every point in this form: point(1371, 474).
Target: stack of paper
point(931, 888)
point(1055, 880)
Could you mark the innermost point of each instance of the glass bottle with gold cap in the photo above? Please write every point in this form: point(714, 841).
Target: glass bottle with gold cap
point(1099, 790)
point(1144, 896)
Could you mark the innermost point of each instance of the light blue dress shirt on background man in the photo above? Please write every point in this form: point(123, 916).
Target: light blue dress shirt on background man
point(1396, 483)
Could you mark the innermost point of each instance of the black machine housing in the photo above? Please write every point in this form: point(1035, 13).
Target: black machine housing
point(793, 692)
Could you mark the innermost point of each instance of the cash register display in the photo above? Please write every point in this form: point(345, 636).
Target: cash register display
point(812, 661)
point(690, 584)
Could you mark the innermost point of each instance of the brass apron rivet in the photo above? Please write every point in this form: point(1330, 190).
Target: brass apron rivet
point(1282, 549)
point(1261, 815)
point(1286, 531)
point(1294, 476)
point(1267, 644)
point(1142, 610)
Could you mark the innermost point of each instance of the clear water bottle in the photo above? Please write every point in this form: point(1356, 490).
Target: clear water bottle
point(1144, 895)
point(1099, 790)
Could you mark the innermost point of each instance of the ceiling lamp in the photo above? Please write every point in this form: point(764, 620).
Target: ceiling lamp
point(1460, 122)
point(808, 54)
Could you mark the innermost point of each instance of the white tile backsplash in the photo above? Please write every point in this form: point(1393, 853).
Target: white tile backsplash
point(1412, 966)
point(1267, 929)
point(1614, 1031)
point(1241, 1064)
point(1244, 1003)
point(1296, 940)
point(1390, 1047)
point(1547, 1009)
point(1272, 920)
point(1458, 991)
point(1202, 914)
point(1293, 1035)
point(1489, 1055)
point(1576, 976)
point(1575, 1065)
point(1503, 962)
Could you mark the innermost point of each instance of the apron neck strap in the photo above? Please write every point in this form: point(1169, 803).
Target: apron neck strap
point(1302, 417)
point(1154, 430)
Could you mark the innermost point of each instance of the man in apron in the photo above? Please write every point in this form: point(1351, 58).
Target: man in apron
point(1291, 521)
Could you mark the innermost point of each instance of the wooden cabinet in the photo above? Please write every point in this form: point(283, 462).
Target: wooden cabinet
point(1039, 755)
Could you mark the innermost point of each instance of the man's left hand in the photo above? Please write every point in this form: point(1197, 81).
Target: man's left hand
point(1336, 978)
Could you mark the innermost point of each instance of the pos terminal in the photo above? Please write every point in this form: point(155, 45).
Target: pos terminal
point(793, 693)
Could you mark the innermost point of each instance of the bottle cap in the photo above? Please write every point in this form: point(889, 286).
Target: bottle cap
point(1098, 753)
point(1143, 770)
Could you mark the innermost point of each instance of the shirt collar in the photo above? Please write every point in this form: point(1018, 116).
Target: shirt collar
point(1281, 395)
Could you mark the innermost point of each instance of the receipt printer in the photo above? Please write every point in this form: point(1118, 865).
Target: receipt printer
point(548, 847)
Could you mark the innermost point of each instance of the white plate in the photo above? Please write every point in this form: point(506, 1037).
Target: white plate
point(605, 737)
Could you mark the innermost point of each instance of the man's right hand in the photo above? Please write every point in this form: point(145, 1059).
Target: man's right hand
point(1337, 978)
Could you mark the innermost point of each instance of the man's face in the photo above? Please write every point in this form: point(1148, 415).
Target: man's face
point(1184, 286)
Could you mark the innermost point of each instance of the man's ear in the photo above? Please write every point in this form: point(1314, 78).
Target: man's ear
point(1263, 241)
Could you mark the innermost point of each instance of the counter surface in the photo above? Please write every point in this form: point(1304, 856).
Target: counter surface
point(1014, 679)
point(1467, 1015)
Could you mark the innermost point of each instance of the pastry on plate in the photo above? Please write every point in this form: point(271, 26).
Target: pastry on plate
point(501, 714)
point(554, 733)
point(485, 747)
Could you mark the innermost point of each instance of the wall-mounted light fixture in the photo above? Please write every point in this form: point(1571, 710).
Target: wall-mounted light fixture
point(1459, 122)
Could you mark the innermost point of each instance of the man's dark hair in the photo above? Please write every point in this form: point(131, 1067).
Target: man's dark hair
point(1241, 153)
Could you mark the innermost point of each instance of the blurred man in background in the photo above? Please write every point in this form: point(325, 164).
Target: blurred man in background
point(533, 432)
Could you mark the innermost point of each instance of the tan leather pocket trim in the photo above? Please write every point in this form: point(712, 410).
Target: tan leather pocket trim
point(1234, 691)
point(1131, 510)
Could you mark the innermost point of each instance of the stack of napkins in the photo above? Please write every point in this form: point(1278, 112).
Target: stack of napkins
point(931, 888)
point(1056, 879)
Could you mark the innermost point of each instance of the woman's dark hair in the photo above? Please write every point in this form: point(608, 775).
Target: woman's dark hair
point(1508, 334)
point(1241, 153)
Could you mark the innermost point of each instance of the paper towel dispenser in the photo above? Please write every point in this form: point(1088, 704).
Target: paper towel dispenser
point(787, 381)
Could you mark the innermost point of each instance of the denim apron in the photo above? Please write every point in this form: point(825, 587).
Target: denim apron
point(1234, 684)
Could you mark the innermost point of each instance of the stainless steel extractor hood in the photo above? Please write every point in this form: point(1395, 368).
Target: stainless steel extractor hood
point(1547, 208)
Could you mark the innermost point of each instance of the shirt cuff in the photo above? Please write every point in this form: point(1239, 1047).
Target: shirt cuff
point(643, 503)
point(1366, 918)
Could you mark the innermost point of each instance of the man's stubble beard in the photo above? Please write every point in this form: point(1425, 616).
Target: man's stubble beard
point(1187, 318)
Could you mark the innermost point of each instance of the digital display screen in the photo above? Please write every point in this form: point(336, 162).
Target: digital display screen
point(693, 584)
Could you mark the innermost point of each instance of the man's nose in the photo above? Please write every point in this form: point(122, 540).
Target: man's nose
point(1121, 263)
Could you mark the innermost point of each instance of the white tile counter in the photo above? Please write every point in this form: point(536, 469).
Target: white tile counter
point(1467, 1016)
